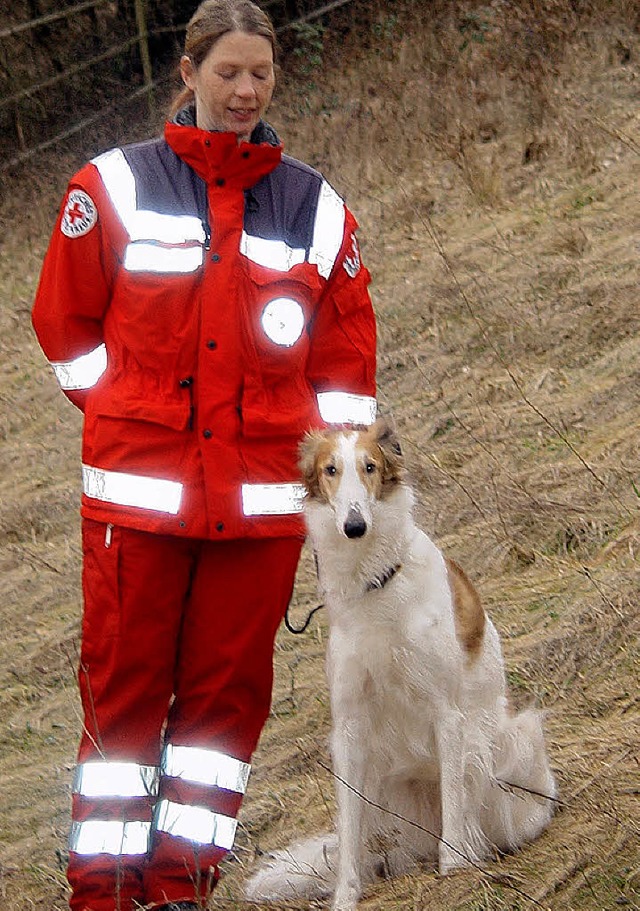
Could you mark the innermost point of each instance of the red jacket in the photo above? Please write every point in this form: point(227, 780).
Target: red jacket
point(204, 303)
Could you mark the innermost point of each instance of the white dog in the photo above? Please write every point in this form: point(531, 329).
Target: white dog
point(430, 762)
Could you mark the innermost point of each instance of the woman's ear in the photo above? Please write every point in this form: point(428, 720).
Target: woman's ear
point(187, 71)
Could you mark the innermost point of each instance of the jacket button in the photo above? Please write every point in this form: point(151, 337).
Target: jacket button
point(220, 182)
point(219, 526)
point(212, 344)
point(186, 382)
point(207, 434)
point(215, 257)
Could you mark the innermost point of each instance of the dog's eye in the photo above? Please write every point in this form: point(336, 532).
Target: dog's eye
point(330, 470)
point(370, 467)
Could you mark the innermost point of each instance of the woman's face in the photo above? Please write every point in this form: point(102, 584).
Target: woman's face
point(234, 83)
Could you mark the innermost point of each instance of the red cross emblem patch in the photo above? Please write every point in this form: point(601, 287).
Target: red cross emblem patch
point(79, 216)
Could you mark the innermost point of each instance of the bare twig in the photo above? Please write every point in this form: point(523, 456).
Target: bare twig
point(34, 559)
point(49, 18)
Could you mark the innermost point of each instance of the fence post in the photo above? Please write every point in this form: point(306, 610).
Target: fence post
point(143, 40)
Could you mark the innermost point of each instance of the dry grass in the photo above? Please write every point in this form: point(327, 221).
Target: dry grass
point(499, 212)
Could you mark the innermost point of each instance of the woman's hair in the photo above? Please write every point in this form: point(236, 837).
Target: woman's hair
point(212, 20)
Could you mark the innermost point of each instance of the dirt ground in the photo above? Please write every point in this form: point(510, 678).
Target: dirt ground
point(499, 207)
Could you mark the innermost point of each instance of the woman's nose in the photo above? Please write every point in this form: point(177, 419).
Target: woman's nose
point(245, 86)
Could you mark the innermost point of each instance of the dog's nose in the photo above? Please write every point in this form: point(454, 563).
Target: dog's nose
point(354, 525)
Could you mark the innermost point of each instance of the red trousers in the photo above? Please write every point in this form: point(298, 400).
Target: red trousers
point(177, 648)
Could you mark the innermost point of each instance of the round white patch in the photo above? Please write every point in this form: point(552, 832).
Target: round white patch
point(283, 321)
point(79, 216)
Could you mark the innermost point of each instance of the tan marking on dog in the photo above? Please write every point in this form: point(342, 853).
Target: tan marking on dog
point(316, 454)
point(381, 448)
point(380, 463)
point(370, 463)
point(467, 608)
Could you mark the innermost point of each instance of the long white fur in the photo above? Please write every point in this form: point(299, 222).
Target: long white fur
point(420, 727)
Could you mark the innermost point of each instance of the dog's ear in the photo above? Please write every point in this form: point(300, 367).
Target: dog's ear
point(307, 452)
point(386, 437)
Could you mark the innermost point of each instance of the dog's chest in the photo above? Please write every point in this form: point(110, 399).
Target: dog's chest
point(383, 690)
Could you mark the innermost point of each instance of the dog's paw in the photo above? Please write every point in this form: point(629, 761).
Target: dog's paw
point(451, 860)
point(346, 897)
point(345, 904)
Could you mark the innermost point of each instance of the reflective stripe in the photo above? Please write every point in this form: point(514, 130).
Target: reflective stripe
point(328, 230)
point(132, 489)
point(152, 257)
point(144, 225)
point(205, 767)
point(83, 372)
point(109, 836)
point(150, 232)
point(115, 779)
point(166, 229)
point(272, 254)
point(346, 408)
point(195, 824)
point(119, 182)
point(271, 499)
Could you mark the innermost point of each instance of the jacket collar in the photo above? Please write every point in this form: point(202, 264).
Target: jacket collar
point(218, 156)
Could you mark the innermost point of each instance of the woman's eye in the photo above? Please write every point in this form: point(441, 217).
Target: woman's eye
point(227, 74)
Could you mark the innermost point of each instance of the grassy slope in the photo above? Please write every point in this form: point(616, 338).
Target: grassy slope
point(499, 212)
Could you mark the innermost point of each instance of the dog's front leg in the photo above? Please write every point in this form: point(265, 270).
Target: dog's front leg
point(348, 762)
point(450, 740)
point(349, 750)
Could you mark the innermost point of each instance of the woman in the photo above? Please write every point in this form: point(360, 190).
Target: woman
point(203, 302)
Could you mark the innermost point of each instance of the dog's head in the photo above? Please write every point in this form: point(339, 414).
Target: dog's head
point(350, 470)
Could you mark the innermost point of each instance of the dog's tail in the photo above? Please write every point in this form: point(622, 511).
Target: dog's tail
point(302, 872)
point(522, 767)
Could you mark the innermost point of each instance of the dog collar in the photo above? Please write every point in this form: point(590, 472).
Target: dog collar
point(381, 580)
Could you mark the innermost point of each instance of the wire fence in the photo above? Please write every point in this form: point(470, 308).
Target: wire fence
point(88, 74)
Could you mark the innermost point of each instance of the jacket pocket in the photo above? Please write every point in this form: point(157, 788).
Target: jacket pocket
point(101, 586)
point(172, 414)
point(273, 409)
point(278, 311)
point(149, 438)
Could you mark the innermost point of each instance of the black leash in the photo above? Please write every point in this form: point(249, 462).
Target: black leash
point(287, 622)
point(375, 584)
point(301, 629)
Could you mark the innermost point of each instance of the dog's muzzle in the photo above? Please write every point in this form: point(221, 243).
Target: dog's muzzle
point(354, 525)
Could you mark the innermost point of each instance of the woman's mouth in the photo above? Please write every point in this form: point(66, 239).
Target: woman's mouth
point(243, 114)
